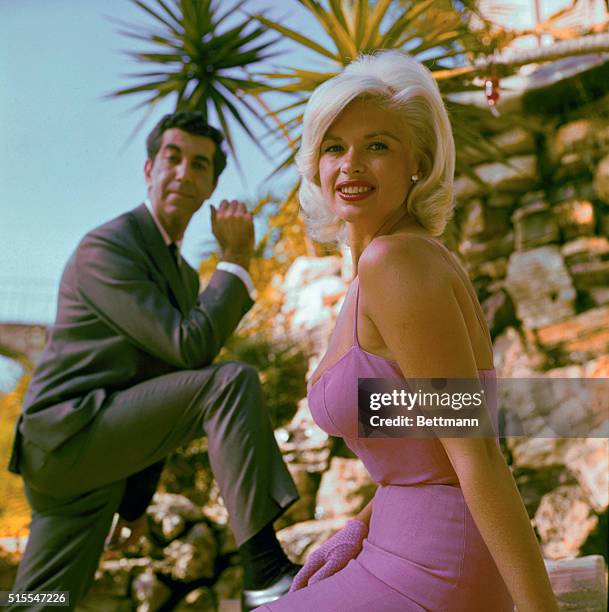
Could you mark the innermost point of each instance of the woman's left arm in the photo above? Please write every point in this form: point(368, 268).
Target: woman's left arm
point(499, 513)
point(422, 324)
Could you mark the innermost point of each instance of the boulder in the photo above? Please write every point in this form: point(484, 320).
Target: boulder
point(302, 539)
point(482, 221)
point(567, 399)
point(534, 225)
point(580, 135)
point(476, 252)
point(540, 286)
point(572, 190)
point(573, 165)
point(585, 248)
point(187, 472)
point(214, 509)
point(517, 175)
point(305, 270)
point(344, 489)
point(175, 504)
point(494, 268)
point(311, 310)
point(564, 520)
point(193, 556)
point(515, 141)
point(575, 218)
point(149, 592)
point(501, 200)
point(169, 514)
point(589, 274)
point(198, 600)
point(113, 577)
point(466, 187)
point(588, 460)
point(601, 179)
point(471, 223)
point(534, 483)
point(514, 357)
point(229, 583)
point(582, 337)
point(599, 295)
point(303, 443)
point(536, 452)
point(498, 311)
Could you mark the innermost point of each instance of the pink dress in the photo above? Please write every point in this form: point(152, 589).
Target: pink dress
point(423, 550)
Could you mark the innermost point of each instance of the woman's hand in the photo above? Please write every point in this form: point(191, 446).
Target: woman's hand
point(332, 555)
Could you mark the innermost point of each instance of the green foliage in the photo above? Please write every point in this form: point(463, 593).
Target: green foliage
point(282, 366)
point(198, 59)
point(14, 510)
point(188, 472)
point(433, 31)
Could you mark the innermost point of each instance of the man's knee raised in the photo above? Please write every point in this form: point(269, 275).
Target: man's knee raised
point(237, 372)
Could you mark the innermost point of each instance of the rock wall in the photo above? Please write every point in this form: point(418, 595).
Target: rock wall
point(533, 236)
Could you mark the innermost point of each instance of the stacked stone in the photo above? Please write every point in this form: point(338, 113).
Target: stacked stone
point(188, 561)
point(535, 244)
point(533, 234)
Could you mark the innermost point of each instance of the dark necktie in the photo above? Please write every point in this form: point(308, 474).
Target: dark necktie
point(173, 249)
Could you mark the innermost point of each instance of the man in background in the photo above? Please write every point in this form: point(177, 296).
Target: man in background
point(126, 377)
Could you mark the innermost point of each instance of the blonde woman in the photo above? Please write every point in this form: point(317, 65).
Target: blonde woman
point(446, 529)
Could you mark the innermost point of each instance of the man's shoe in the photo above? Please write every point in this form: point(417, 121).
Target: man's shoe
point(251, 599)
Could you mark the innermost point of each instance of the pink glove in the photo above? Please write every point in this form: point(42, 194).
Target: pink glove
point(332, 555)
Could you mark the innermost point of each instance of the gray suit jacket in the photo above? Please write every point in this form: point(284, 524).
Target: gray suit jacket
point(125, 314)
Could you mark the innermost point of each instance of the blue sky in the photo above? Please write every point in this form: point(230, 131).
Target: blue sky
point(65, 163)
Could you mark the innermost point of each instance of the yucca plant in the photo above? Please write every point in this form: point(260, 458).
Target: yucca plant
point(199, 60)
point(434, 31)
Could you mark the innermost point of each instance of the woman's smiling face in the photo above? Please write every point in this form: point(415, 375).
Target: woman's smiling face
point(365, 164)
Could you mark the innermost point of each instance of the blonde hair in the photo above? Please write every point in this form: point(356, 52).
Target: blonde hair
point(401, 84)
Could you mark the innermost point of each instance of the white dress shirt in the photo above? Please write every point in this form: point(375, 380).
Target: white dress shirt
point(227, 266)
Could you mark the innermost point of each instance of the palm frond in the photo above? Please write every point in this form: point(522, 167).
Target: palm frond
point(199, 62)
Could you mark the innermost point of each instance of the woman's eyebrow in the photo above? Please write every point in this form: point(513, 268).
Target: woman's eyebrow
point(382, 133)
point(371, 135)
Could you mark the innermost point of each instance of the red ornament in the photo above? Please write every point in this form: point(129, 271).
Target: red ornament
point(491, 91)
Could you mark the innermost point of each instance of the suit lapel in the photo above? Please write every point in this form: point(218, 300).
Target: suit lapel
point(160, 255)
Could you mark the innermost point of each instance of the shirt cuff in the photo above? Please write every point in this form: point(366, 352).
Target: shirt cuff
point(242, 273)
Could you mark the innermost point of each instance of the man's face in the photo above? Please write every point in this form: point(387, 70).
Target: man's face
point(180, 177)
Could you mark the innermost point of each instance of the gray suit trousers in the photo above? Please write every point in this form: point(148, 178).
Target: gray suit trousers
point(75, 490)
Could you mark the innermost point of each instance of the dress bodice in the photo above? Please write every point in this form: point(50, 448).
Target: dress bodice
point(399, 461)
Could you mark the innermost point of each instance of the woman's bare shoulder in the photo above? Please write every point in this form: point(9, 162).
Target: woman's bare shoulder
point(410, 254)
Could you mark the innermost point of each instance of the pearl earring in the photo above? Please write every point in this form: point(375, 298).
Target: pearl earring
point(414, 179)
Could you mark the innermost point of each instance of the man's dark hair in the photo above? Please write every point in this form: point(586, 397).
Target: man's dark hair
point(193, 122)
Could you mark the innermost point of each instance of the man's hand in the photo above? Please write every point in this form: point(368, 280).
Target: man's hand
point(233, 227)
point(124, 533)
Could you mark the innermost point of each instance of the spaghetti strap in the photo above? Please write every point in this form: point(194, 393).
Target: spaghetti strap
point(355, 341)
